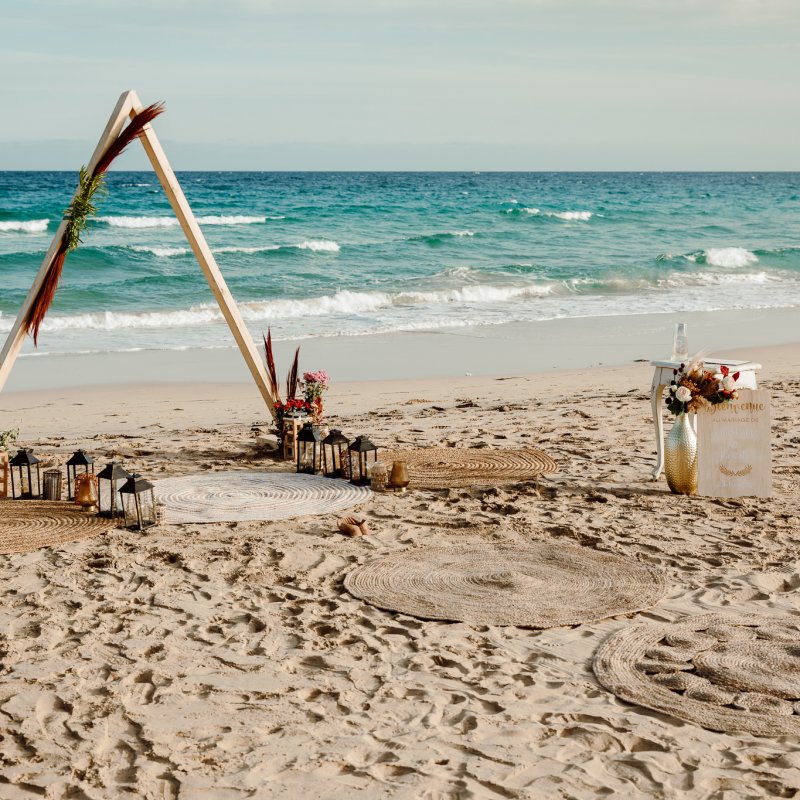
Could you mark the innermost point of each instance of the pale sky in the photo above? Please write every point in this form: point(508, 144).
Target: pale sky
point(409, 84)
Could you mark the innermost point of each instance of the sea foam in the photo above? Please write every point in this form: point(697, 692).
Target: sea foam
point(706, 278)
point(569, 216)
point(168, 252)
point(172, 222)
point(342, 303)
point(162, 252)
point(24, 226)
point(581, 216)
point(319, 246)
point(730, 257)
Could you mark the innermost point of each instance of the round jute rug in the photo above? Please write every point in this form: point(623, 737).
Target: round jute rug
point(31, 524)
point(461, 467)
point(537, 585)
point(725, 673)
point(245, 495)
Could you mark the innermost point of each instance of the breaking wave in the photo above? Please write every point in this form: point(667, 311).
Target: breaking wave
point(569, 216)
point(731, 257)
point(319, 246)
point(340, 303)
point(439, 238)
point(316, 246)
point(24, 226)
point(172, 222)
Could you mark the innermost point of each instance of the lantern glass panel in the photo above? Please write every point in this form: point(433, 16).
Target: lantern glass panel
point(138, 503)
point(79, 463)
point(110, 479)
point(334, 454)
point(26, 478)
point(309, 449)
point(363, 454)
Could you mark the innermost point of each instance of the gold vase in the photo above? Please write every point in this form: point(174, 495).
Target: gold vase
point(680, 457)
point(398, 477)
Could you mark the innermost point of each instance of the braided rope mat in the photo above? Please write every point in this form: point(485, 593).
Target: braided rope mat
point(247, 495)
point(462, 467)
point(725, 673)
point(538, 585)
point(31, 524)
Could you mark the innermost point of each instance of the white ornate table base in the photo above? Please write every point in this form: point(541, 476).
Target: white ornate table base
point(662, 376)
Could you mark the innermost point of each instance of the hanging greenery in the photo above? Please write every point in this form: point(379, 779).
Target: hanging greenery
point(81, 209)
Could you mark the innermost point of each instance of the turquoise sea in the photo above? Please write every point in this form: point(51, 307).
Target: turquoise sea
point(349, 254)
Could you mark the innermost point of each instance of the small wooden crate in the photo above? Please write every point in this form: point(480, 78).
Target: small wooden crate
point(291, 427)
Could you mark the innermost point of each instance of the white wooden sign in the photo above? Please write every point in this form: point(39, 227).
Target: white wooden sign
point(733, 447)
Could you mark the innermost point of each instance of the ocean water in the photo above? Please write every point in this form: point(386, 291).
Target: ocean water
point(350, 254)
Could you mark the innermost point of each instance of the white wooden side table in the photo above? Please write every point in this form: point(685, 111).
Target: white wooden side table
point(663, 375)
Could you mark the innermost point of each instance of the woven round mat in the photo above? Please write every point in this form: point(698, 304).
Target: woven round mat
point(726, 673)
point(461, 467)
point(244, 495)
point(31, 524)
point(538, 585)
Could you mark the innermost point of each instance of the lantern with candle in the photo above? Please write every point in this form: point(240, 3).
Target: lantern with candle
point(334, 453)
point(25, 468)
point(79, 464)
point(362, 454)
point(309, 449)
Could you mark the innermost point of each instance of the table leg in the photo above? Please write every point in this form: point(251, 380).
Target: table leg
point(658, 422)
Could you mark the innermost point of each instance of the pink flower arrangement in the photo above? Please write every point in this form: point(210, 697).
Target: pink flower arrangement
point(314, 384)
point(320, 377)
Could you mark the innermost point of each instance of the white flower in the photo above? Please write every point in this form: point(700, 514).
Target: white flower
point(728, 383)
point(683, 394)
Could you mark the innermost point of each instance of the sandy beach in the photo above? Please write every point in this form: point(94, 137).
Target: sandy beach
point(485, 228)
point(227, 660)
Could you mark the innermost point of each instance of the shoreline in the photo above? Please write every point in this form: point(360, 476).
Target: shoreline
point(80, 413)
point(514, 347)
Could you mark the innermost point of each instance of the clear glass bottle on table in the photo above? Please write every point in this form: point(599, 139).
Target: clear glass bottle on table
point(680, 343)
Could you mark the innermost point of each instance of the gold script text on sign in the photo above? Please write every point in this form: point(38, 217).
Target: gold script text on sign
point(733, 447)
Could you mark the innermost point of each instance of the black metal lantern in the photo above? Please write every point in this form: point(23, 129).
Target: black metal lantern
point(309, 449)
point(138, 503)
point(363, 454)
point(109, 503)
point(78, 464)
point(24, 487)
point(334, 453)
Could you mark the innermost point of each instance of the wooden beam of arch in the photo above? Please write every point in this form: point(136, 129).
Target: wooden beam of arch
point(127, 107)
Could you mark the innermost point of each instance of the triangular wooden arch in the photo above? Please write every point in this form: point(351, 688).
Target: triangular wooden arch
point(127, 107)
